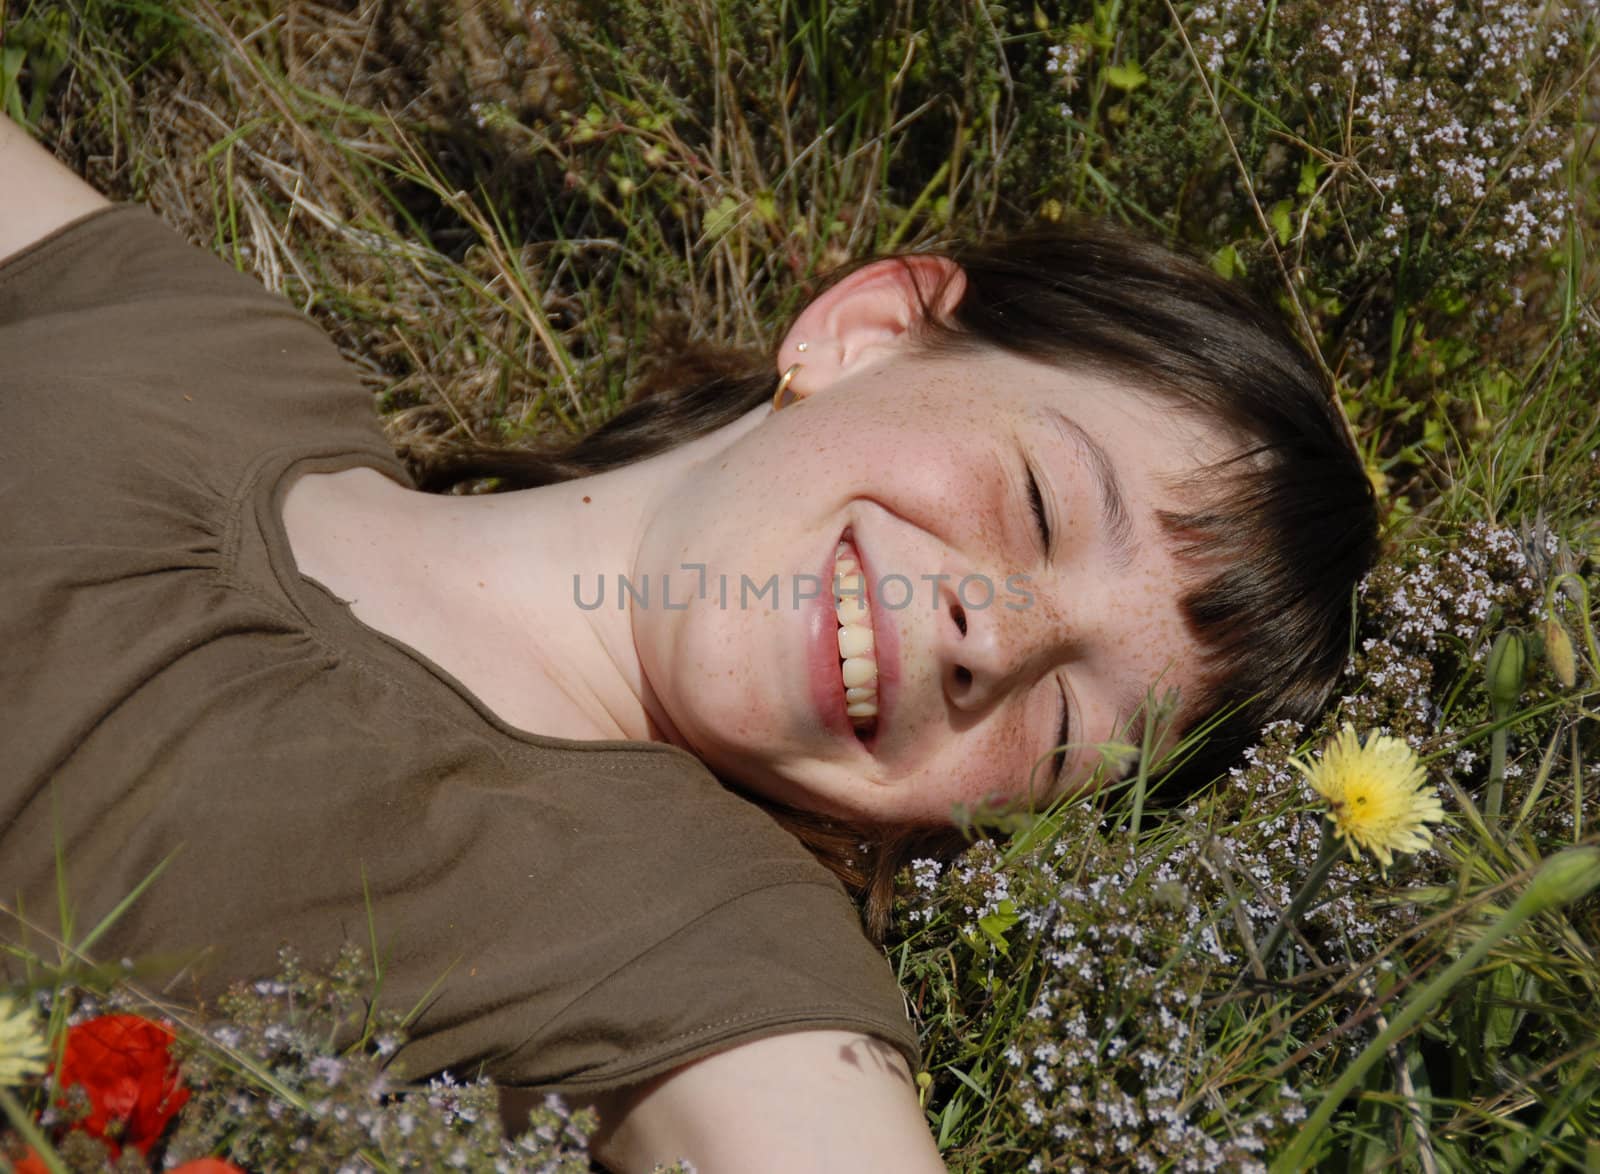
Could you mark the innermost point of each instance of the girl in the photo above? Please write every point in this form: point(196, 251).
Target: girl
point(590, 760)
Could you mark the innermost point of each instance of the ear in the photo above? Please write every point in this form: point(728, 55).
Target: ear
point(866, 316)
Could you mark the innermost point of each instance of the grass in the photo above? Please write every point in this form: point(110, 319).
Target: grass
point(507, 214)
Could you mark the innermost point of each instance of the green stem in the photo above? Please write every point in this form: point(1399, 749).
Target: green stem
point(919, 203)
point(1505, 669)
point(1577, 788)
point(1141, 782)
point(22, 1122)
point(1564, 877)
point(1327, 856)
point(1492, 796)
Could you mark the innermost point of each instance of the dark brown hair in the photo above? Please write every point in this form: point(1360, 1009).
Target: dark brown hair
point(1278, 533)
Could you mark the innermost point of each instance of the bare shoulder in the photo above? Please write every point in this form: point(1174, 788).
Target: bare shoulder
point(799, 1103)
point(39, 194)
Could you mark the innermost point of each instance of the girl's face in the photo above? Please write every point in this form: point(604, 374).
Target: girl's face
point(981, 645)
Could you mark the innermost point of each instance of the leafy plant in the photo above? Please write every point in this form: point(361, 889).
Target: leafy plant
point(506, 213)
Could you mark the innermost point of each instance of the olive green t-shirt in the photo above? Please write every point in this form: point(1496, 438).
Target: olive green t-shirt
point(586, 915)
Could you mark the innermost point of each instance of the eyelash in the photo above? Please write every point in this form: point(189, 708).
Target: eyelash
point(1064, 731)
point(1036, 498)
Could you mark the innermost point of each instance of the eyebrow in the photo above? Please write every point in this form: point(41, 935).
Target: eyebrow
point(1115, 518)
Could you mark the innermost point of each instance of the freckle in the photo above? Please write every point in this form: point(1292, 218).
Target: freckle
point(585, 499)
point(480, 582)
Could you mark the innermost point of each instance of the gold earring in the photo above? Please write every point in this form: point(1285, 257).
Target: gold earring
point(783, 385)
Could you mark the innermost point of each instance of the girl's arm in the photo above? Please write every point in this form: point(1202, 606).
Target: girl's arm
point(805, 1103)
point(38, 194)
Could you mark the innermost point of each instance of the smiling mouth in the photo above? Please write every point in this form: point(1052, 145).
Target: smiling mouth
point(858, 664)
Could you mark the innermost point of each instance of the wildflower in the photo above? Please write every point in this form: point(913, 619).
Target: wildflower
point(122, 1063)
point(1375, 793)
point(22, 1048)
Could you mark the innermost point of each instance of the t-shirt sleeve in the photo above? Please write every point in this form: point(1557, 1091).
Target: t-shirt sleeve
point(619, 913)
point(779, 959)
point(136, 363)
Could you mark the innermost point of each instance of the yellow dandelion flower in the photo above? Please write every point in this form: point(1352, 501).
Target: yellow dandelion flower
point(23, 1052)
point(1377, 793)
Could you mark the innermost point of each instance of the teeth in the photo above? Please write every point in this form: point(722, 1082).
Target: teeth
point(854, 640)
point(858, 668)
point(859, 672)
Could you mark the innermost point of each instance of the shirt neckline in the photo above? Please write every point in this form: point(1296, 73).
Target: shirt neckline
point(332, 620)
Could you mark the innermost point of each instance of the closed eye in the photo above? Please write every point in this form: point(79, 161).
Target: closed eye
point(1036, 499)
point(1041, 519)
point(1063, 740)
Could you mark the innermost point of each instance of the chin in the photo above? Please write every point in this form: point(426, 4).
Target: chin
point(759, 784)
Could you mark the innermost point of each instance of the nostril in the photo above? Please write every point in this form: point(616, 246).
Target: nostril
point(960, 618)
point(963, 676)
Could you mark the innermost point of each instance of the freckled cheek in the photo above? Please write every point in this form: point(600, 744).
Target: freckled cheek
point(946, 491)
point(917, 425)
point(1159, 643)
point(999, 767)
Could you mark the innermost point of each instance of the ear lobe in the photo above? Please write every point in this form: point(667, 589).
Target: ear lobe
point(866, 315)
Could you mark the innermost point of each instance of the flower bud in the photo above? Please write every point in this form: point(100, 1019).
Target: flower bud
point(1563, 878)
point(1558, 653)
point(1508, 659)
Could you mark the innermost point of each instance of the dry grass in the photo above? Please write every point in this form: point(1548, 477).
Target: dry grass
point(506, 219)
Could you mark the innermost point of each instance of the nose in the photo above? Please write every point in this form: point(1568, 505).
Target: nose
point(993, 637)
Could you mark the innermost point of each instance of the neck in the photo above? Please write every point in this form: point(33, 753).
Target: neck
point(488, 587)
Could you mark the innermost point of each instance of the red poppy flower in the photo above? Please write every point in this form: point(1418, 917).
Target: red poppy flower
point(30, 1163)
point(122, 1063)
